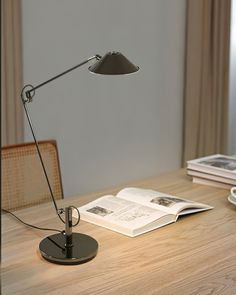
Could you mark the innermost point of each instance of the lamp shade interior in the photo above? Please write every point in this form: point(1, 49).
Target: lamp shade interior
point(113, 63)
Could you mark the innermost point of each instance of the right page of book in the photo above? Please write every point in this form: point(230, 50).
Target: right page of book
point(161, 201)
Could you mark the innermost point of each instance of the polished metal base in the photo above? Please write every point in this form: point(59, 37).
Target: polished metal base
point(83, 249)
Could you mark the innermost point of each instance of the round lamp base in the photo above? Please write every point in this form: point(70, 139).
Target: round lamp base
point(53, 249)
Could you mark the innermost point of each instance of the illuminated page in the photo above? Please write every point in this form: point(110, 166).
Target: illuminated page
point(161, 201)
point(123, 215)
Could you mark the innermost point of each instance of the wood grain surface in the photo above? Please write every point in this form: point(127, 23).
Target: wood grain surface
point(196, 255)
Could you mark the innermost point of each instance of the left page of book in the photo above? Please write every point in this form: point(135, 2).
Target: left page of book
point(124, 216)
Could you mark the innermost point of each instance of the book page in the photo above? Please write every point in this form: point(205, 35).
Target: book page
point(160, 201)
point(121, 212)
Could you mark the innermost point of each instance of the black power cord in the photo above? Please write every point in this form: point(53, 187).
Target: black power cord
point(43, 228)
point(30, 225)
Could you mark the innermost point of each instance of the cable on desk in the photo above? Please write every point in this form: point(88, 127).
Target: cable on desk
point(30, 225)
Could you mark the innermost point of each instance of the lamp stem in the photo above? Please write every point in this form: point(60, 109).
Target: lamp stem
point(41, 159)
point(68, 226)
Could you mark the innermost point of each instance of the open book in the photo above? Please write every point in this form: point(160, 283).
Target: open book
point(134, 211)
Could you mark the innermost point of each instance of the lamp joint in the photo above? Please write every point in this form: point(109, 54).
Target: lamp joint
point(60, 211)
point(26, 94)
point(98, 56)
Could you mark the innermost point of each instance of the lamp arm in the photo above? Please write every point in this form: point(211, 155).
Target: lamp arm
point(27, 95)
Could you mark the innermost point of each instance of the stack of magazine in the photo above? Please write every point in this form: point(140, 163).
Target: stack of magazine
point(215, 170)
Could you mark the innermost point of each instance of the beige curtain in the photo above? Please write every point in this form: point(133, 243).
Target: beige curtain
point(11, 72)
point(206, 80)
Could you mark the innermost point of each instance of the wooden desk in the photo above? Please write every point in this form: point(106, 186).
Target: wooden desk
point(196, 255)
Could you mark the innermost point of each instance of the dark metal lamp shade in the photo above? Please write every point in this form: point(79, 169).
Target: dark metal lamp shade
point(113, 63)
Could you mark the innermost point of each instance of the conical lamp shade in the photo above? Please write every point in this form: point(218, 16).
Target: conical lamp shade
point(113, 63)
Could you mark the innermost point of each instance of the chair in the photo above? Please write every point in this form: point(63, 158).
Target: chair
point(23, 181)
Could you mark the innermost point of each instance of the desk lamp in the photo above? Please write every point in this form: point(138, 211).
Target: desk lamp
point(68, 247)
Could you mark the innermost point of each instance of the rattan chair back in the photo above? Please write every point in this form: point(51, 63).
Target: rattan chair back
point(23, 181)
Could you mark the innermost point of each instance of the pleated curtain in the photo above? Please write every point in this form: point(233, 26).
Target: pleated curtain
point(11, 72)
point(206, 78)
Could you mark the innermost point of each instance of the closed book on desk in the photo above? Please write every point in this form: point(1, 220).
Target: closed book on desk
point(220, 165)
point(213, 183)
point(134, 211)
point(211, 179)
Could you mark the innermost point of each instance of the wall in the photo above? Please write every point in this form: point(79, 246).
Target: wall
point(110, 130)
point(232, 84)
